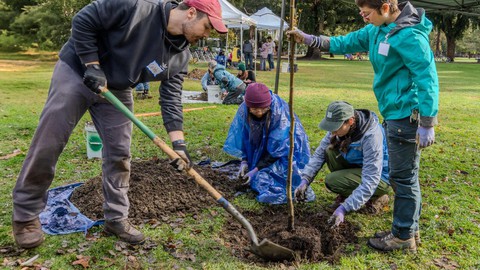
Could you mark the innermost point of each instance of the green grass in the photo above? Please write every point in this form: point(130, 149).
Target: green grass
point(449, 175)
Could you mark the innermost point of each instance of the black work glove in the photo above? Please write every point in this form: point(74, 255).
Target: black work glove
point(94, 78)
point(183, 163)
point(225, 81)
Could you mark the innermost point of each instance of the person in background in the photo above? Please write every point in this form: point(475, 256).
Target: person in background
point(153, 39)
point(406, 86)
point(264, 56)
point(248, 54)
point(355, 151)
point(234, 88)
point(142, 90)
point(209, 79)
point(271, 51)
point(247, 76)
point(221, 58)
point(259, 136)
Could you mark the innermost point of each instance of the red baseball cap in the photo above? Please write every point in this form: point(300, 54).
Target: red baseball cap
point(213, 10)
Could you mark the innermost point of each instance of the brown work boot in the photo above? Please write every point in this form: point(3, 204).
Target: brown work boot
point(338, 200)
point(391, 243)
point(28, 234)
point(375, 205)
point(418, 241)
point(124, 230)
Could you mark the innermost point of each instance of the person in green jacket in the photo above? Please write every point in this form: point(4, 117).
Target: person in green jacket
point(406, 87)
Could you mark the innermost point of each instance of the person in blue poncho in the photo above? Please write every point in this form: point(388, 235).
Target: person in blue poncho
point(259, 135)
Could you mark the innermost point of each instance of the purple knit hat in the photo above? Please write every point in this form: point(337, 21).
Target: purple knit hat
point(257, 95)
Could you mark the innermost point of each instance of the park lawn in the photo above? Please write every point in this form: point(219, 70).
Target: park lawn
point(449, 175)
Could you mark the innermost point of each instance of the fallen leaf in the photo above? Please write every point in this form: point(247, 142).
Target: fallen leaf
point(82, 260)
point(451, 231)
point(446, 263)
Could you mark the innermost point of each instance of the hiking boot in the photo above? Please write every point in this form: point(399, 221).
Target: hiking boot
point(146, 95)
point(418, 241)
point(124, 230)
point(28, 234)
point(391, 243)
point(338, 200)
point(375, 205)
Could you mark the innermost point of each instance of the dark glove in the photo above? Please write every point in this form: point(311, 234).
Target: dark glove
point(243, 169)
point(248, 177)
point(183, 163)
point(225, 81)
point(94, 78)
point(426, 136)
point(337, 217)
point(300, 191)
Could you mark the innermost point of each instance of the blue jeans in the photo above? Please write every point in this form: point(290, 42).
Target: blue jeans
point(263, 64)
point(271, 65)
point(249, 60)
point(404, 161)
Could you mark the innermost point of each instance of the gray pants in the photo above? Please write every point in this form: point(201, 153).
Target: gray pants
point(68, 100)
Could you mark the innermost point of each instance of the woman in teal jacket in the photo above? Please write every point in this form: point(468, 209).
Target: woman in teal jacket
point(406, 87)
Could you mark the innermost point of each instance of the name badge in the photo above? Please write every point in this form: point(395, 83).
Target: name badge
point(383, 48)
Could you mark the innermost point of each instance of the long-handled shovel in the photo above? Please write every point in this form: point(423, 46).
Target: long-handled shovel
point(265, 249)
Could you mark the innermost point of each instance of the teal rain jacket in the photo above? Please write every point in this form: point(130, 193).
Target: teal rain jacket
point(406, 78)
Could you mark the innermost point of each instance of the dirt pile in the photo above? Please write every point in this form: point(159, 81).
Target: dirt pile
point(196, 74)
point(157, 192)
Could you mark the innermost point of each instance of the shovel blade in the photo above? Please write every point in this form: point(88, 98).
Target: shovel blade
point(271, 251)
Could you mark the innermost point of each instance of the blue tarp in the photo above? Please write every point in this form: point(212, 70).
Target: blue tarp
point(60, 216)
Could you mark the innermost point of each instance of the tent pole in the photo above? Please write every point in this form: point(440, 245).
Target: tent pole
point(279, 51)
point(241, 41)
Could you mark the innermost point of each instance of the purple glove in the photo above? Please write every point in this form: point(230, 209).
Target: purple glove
point(300, 37)
point(248, 177)
point(338, 216)
point(300, 191)
point(243, 169)
point(426, 136)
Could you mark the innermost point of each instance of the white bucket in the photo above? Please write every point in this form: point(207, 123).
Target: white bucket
point(94, 143)
point(214, 94)
point(284, 67)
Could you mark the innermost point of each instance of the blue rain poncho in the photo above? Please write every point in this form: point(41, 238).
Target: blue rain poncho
point(250, 139)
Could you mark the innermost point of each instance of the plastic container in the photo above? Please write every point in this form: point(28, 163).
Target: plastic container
point(286, 67)
point(94, 143)
point(214, 94)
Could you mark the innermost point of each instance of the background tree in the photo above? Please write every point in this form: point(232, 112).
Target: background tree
point(454, 25)
point(327, 17)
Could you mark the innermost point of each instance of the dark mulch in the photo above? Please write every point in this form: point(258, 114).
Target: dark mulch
point(158, 192)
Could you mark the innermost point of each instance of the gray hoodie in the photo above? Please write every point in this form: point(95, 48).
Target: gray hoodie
point(129, 39)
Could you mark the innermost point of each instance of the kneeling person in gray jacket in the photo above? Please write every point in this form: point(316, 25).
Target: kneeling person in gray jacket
point(355, 151)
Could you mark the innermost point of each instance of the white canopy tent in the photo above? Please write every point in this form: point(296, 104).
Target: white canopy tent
point(266, 19)
point(234, 18)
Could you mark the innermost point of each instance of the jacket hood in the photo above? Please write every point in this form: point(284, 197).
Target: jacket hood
point(411, 17)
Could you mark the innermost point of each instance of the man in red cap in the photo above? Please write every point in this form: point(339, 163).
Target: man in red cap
point(116, 44)
point(259, 136)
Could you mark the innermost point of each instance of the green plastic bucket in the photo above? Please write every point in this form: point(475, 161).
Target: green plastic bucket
point(94, 143)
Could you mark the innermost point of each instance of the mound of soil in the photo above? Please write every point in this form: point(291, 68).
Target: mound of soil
point(157, 192)
point(196, 74)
